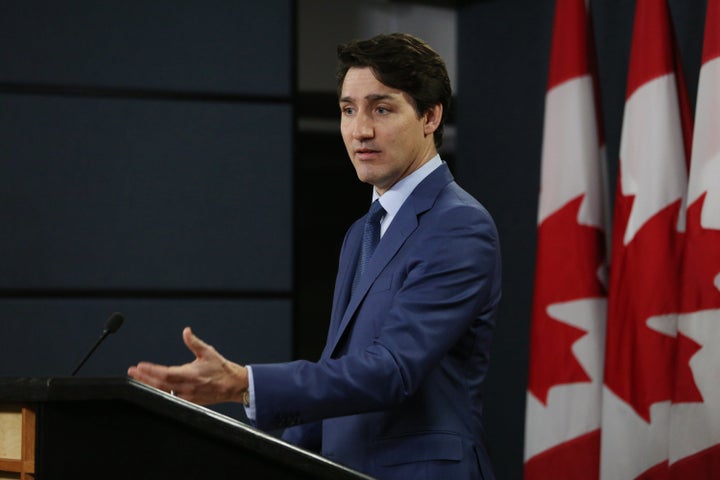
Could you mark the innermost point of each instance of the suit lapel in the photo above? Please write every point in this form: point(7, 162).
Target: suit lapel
point(346, 269)
point(404, 223)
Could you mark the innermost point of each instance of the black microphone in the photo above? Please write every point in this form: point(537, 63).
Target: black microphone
point(111, 326)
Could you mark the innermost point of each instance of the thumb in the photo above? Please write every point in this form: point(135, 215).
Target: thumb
point(197, 346)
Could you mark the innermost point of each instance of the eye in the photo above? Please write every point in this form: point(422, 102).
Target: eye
point(383, 110)
point(347, 110)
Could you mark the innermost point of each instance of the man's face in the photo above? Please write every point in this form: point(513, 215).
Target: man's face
point(383, 135)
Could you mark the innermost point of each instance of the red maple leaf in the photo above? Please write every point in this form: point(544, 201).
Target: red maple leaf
point(640, 361)
point(686, 389)
point(569, 257)
point(701, 265)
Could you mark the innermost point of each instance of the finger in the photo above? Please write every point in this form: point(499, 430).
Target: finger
point(169, 379)
point(197, 346)
point(149, 373)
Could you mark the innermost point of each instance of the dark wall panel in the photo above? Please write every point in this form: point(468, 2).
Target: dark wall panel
point(209, 46)
point(502, 78)
point(47, 336)
point(146, 166)
point(133, 194)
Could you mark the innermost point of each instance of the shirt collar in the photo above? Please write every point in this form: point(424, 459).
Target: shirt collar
point(394, 198)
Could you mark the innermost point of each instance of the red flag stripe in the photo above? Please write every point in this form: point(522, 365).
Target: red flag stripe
point(569, 57)
point(711, 46)
point(652, 40)
point(576, 459)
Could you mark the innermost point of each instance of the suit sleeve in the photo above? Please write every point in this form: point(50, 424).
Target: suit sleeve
point(448, 279)
point(307, 436)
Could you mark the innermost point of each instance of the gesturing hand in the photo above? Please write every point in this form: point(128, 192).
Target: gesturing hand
point(209, 379)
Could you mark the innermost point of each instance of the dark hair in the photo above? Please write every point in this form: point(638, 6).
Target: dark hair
point(404, 62)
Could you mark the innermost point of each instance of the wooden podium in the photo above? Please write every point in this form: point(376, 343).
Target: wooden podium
point(116, 428)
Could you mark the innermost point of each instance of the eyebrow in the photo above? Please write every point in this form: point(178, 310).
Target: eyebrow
point(374, 97)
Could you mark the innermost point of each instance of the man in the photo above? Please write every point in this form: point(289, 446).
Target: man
point(397, 390)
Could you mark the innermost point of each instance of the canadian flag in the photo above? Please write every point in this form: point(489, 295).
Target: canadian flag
point(562, 430)
point(695, 419)
point(647, 248)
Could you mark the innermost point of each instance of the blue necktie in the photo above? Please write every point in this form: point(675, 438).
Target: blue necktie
point(371, 237)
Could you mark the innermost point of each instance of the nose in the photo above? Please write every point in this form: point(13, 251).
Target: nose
point(363, 128)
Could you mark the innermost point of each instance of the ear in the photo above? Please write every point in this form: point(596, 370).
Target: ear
point(433, 116)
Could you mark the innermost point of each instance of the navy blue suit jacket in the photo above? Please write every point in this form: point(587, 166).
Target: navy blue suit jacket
point(397, 392)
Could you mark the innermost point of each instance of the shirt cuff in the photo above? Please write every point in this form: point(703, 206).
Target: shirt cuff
point(250, 411)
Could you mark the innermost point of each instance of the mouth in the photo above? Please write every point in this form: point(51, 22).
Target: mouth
point(366, 153)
